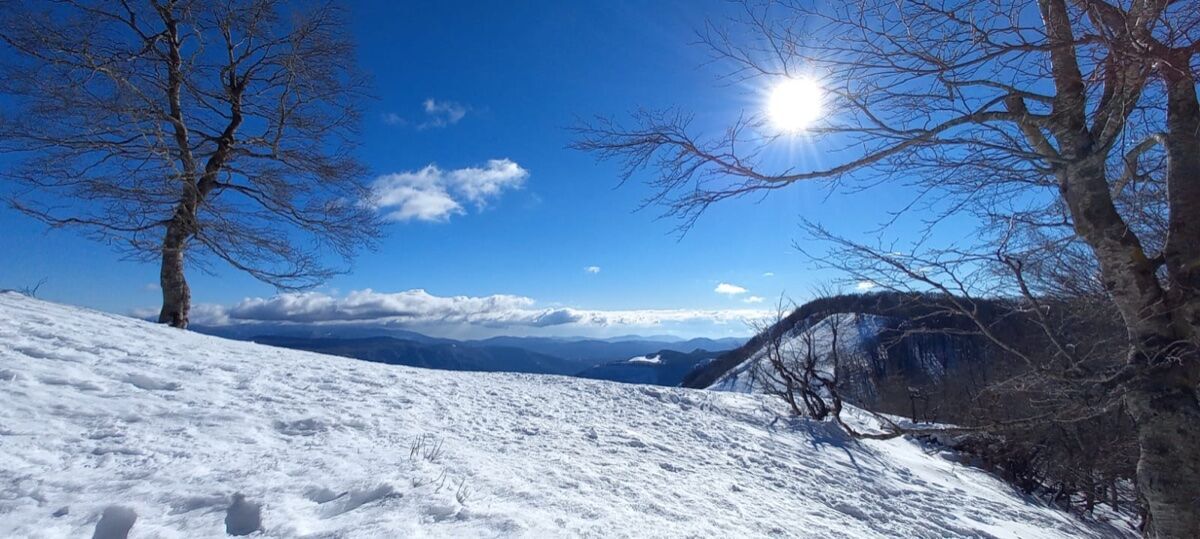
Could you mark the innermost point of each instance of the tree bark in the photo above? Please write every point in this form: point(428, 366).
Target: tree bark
point(177, 297)
point(1163, 400)
point(1182, 251)
point(1165, 403)
point(1166, 410)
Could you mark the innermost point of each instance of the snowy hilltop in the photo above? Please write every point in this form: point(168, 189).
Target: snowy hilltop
point(858, 336)
point(186, 435)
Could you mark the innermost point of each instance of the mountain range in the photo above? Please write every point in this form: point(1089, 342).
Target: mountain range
point(591, 358)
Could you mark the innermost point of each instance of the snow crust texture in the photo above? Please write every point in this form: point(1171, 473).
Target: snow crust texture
point(107, 417)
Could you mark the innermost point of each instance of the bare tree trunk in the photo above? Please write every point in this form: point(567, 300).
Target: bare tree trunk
point(1182, 250)
point(1164, 402)
point(1167, 412)
point(1166, 405)
point(177, 297)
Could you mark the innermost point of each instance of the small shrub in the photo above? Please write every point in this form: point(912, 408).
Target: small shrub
point(426, 447)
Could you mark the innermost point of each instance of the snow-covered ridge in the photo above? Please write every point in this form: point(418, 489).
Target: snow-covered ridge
point(653, 359)
point(856, 333)
point(104, 411)
point(869, 351)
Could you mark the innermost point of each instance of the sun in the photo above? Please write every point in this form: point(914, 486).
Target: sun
point(794, 104)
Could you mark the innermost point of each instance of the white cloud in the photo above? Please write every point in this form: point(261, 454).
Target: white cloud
point(592, 269)
point(753, 299)
point(729, 289)
point(420, 195)
point(656, 317)
point(769, 274)
point(411, 305)
point(144, 313)
point(204, 314)
point(863, 286)
point(438, 113)
point(480, 184)
point(420, 309)
point(442, 113)
point(433, 194)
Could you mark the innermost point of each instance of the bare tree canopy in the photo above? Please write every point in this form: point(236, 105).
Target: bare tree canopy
point(1065, 126)
point(220, 130)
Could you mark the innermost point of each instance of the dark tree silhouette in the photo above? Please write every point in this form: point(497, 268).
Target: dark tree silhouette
point(188, 132)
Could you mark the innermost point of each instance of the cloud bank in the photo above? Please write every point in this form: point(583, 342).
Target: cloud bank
point(434, 195)
point(419, 308)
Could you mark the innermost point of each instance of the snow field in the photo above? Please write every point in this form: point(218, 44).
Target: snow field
point(104, 411)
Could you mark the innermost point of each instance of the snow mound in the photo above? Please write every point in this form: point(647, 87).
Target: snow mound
point(174, 433)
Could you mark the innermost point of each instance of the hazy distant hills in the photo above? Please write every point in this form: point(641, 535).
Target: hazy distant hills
point(604, 351)
point(664, 368)
point(591, 358)
point(447, 356)
point(247, 332)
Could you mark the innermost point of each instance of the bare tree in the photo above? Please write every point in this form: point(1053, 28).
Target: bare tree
point(1076, 122)
point(32, 290)
point(189, 132)
point(800, 365)
point(1055, 417)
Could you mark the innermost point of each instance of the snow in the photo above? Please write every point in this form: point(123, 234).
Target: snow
point(652, 360)
point(854, 330)
point(164, 430)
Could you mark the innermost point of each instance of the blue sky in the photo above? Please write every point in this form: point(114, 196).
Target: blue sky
point(485, 93)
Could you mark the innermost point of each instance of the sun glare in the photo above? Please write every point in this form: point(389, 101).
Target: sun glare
point(794, 104)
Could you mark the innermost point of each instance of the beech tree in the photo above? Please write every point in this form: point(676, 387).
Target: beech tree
point(1065, 126)
point(188, 132)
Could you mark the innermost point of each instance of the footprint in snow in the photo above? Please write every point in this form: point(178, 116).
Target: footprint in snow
point(57, 381)
point(115, 523)
point(301, 427)
point(333, 504)
point(243, 517)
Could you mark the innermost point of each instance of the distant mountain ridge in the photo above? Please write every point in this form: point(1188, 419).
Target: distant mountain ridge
point(446, 356)
point(605, 350)
point(664, 368)
point(537, 355)
point(245, 332)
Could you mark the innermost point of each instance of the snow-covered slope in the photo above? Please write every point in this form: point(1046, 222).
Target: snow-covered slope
point(873, 352)
point(857, 337)
point(101, 411)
